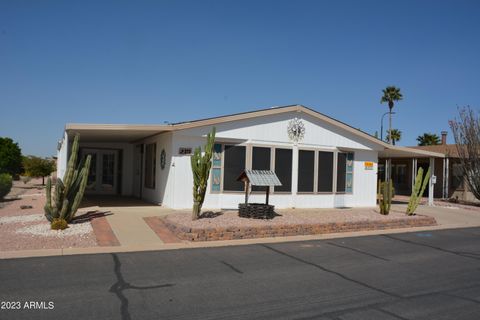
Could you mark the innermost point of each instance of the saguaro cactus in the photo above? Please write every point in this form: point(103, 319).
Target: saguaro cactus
point(201, 171)
point(69, 192)
point(417, 192)
point(385, 193)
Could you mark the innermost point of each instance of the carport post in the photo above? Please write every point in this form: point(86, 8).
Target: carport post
point(388, 170)
point(414, 172)
point(430, 183)
point(447, 176)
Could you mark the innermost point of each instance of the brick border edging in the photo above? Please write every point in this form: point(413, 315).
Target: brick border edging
point(158, 226)
point(103, 232)
point(234, 233)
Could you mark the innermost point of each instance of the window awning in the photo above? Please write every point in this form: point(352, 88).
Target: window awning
point(260, 177)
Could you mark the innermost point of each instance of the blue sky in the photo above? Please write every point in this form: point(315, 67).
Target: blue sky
point(155, 61)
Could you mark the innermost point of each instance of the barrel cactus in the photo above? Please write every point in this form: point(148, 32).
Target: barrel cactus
point(201, 165)
point(68, 194)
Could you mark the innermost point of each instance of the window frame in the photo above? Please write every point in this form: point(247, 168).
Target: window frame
point(273, 147)
point(247, 164)
point(291, 171)
point(346, 152)
point(314, 150)
point(334, 170)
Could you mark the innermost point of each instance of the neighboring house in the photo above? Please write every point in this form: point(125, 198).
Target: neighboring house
point(450, 182)
point(449, 172)
point(321, 162)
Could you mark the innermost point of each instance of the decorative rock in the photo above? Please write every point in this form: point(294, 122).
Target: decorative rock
point(256, 210)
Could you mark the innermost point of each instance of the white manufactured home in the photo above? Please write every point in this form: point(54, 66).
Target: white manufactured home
point(321, 162)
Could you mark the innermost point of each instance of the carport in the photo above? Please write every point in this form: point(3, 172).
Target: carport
point(401, 165)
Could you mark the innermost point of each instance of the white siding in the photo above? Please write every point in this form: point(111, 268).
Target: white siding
point(62, 157)
point(272, 130)
point(165, 178)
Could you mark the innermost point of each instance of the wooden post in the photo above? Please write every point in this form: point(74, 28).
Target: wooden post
point(268, 193)
point(246, 191)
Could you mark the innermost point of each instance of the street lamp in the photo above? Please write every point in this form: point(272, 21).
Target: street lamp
point(381, 126)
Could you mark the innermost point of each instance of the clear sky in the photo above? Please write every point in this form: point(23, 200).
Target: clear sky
point(155, 61)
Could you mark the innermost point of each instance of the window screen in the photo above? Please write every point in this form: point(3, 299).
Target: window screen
point(341, 171)
point(283, 169)
point(150, 165)
point(233, 166)
point(325, 171)
point(260, 161)
point(306, 168)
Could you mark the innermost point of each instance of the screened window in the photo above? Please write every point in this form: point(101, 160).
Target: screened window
point(233, 166)
point(283, 169)
point(325, 172)
point(345, 172)
point(150, 165)
point(306, 169)
point(341, 171)
point(260, 161)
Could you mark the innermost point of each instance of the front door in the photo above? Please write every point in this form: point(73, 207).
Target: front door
point(102, 178)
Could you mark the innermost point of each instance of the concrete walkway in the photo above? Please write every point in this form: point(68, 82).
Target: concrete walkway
point(134, 234)
point(126, 218)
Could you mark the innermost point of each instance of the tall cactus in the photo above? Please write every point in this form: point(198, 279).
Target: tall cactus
point(201, 171)
point(417, 192)
point(385, 193)
point(69, 192)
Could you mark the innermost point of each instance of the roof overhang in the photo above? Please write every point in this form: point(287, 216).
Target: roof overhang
point(404, 152)
point(114, 132)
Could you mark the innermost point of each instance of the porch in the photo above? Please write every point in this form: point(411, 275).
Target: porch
point(125, 215)
point(401, 165)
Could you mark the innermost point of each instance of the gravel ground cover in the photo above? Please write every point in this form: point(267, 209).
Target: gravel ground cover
point(442, 203)
point(288, 217)
point(26, 229)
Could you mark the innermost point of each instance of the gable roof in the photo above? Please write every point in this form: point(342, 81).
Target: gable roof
point(138, 132)
point(155, 129)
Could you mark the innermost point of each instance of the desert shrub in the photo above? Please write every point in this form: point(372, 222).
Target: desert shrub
point(5, 184)
point(25, 179)
point(59, 224)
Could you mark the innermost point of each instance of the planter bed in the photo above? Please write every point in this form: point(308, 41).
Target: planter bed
point(229, 226)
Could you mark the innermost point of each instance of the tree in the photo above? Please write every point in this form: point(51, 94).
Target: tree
point(391, 94)
point(395, 135)
point(428, 139)
point(466, 132)
point(10, 157)
point(38, 167)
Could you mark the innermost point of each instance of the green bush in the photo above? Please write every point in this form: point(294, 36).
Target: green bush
point(5, 184)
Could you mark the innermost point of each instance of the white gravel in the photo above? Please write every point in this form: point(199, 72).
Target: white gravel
point(22, 219)
point(43, 229)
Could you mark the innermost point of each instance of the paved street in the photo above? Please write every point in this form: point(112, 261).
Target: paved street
point(424, 275)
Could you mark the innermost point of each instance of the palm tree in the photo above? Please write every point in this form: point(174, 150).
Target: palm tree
point(428, 139)
point(395, 135)
point(390, 95)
